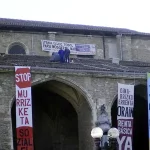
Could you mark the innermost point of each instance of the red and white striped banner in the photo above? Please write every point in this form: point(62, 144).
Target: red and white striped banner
point(24, 125)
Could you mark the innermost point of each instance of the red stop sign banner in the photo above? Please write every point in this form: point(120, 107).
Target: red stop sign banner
point(23, 77)
point(24, 125)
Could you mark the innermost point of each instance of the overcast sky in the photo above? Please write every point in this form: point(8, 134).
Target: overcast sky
point(132, 14)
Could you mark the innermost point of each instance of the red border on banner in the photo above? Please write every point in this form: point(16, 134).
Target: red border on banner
point(24, 126)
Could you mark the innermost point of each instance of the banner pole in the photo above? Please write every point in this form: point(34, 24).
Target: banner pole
point(148, 95)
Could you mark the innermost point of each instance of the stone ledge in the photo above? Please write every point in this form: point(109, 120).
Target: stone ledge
point(72, 72)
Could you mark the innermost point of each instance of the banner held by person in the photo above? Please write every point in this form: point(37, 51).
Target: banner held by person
point(77, 49)
point(125, 115)
point(24, 127)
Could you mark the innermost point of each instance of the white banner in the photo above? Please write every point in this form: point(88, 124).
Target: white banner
point(125, 115)
point(78, 49)
point(23, 108)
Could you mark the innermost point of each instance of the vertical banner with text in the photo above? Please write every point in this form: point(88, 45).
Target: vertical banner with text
point(24, 126)
point(148, 94)
point(125, 115)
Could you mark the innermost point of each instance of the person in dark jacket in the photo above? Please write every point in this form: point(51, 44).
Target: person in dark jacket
point(66, 55)
point(61, 54)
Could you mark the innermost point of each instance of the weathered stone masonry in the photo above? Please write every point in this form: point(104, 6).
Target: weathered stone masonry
point(98, 89)
point(132, 48)
point(110, 42)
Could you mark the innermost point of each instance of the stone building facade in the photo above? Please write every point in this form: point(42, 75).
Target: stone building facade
point(86, 84)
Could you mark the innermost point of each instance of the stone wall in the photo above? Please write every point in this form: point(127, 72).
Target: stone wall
point(32, 42)
point(135, 48)
point(111, 47)
point(125, 47)
point(141, 49)
point(94, 91)
point(7, 91)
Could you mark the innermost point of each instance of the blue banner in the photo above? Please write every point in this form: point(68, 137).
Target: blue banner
point(82, 47)
point(148, 94)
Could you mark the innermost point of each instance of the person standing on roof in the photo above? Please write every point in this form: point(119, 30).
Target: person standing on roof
point(66, 55)
point(55, 57)
point(61, 54)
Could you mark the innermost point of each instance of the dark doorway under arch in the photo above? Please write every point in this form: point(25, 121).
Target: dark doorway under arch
point(16, 49)
point(140, 123)
point(55, 122)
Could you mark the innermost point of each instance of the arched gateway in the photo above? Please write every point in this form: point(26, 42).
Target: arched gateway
point(62, 117)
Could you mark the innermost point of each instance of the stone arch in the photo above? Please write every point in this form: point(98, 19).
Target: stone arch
point(87, 99)
point(73, 84)
point(17, 43)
